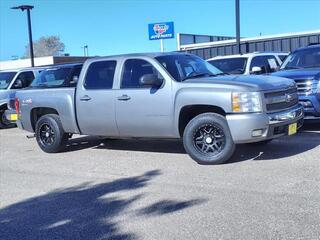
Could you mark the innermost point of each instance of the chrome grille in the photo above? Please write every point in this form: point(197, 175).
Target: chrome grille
point(305, 86)
point(280, 100)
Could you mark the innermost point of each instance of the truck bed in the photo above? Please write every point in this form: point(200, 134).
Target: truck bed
point(61, 99)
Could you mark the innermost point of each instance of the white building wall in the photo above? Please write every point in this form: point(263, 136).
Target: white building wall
point(22, 63)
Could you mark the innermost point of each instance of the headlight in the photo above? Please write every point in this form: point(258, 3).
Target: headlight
point(246, 102)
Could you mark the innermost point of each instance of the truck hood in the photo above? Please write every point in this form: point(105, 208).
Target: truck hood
point(305, 73)
point(250, 82)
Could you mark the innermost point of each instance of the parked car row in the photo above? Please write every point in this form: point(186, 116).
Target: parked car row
point(165, 95)
point(302, 65)
point(168, 95)
point(62, 75)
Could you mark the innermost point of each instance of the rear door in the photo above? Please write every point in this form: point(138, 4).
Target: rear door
point(95, 107)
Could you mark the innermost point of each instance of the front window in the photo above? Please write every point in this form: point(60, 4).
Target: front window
point(231, 65)
point(306, 58)
point(134, 69)
point(185, 66)
point(53, 77)
point(6, 78)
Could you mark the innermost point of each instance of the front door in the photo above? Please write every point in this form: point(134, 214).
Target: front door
point(95, 100)
point(141, 110)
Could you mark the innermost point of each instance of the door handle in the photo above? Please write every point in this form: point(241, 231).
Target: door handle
point(124, 97)
point(85, 98)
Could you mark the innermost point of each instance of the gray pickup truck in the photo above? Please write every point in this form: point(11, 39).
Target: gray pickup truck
point(163, 95)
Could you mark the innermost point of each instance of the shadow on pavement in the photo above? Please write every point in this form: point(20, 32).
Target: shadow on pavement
point(144, 145)
point(307, 139)
point(81, 212)
point(278, 148)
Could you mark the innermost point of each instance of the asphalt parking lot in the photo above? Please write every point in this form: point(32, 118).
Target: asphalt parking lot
point(129, 189)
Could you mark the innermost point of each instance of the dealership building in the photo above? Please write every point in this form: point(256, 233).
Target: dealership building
point(39, 61)
point(207, 46)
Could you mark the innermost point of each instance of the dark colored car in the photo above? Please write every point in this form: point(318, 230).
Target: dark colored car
point(303, 66)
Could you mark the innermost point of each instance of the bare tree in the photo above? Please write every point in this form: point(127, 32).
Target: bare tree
point(46, 46)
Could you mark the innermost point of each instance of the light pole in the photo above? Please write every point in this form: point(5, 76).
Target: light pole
point(28, 8)
point(237, 7)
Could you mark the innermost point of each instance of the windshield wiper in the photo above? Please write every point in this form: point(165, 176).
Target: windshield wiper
point(198, 75)
point(222, 73)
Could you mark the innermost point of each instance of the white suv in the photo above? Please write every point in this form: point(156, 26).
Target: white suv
point(249, 63)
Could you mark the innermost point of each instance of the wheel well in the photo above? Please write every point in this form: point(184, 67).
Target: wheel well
point(189, 112)
point(37, 113)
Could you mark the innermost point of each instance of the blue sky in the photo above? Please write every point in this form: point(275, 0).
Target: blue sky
point(113, 27)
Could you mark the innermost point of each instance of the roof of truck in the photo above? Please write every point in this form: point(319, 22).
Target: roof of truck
point(149, 54)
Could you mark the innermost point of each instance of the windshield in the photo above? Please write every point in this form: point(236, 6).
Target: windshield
point(6, 78)
point(231, 65)
point(306, 58)
point(182, 67)
point(54, 77)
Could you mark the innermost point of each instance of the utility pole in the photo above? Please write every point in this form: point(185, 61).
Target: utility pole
point(28, 8)
point(85, 50)
point(238, 25)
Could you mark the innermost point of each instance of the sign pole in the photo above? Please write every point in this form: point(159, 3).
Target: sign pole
point(161, 45)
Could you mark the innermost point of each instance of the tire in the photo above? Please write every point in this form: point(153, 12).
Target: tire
point(50, 135)
point(5, 123)
point(212, 131)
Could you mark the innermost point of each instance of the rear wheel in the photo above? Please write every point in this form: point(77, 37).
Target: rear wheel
point(50, 135)
point(207, 139)
point(4, 122)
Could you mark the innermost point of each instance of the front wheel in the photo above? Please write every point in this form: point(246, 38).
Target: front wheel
point(50, 135)
point(207, 139)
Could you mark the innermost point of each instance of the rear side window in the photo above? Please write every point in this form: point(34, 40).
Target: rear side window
point(100, 75)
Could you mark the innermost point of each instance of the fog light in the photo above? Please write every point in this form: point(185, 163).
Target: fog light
point(257, 133)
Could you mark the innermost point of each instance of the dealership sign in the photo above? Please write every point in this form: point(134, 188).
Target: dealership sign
point(161, 30)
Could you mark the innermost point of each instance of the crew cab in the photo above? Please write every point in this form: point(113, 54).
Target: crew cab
point(163, 95)
point(53, 76)
point(249, 63)
point(303, 66)
point(10, 82)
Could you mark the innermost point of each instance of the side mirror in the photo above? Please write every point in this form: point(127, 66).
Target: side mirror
point(74, 80)
point(256, 70)
point(150, 80)
point(18, 84)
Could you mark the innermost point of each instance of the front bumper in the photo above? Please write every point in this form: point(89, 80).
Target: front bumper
point(244, 126)
point(11, 115)
point(311, 105)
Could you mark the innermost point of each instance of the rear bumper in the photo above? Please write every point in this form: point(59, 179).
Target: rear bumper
point(244, 127)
